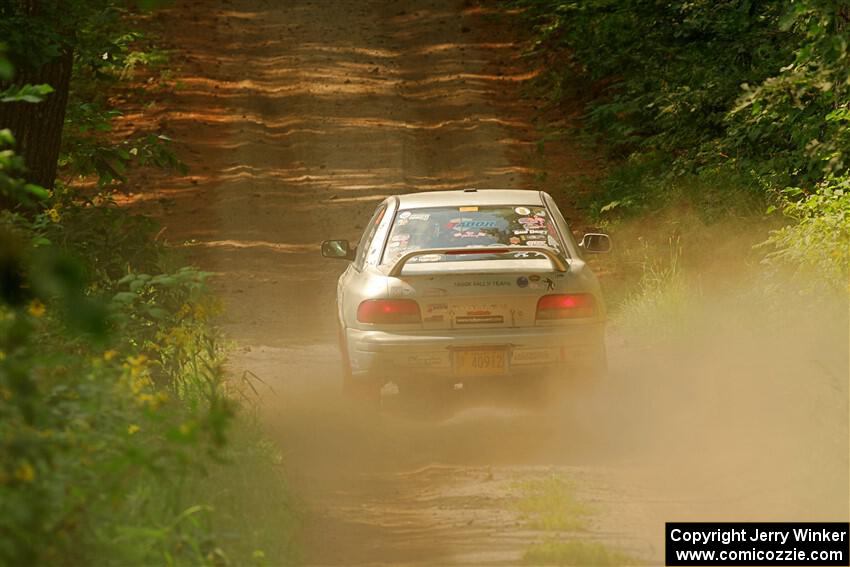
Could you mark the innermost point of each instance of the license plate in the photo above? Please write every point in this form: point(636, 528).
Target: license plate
point(491, 362)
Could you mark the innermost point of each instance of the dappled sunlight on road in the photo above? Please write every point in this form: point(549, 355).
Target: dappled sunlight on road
point(298, 126)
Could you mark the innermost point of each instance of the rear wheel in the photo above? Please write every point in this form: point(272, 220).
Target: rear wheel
point(363, 392)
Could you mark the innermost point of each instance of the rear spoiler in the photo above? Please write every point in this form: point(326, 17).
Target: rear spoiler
point(557, 261)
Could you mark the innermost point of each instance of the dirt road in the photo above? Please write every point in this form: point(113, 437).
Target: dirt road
point(296, 118)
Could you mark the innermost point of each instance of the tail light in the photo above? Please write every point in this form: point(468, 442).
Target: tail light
point(389, 311)
point(566, 306)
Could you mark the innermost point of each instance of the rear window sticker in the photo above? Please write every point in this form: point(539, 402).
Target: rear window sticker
point(467, 224)
point(536, 243)
point(404, 214)
point(468, 209)
point(514, 240)
point(419, 217)
point(522, 211)
point(532, 222)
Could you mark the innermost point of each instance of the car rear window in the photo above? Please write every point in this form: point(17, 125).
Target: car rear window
point(461, 227)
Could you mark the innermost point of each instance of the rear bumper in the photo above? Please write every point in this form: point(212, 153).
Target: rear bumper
point(381, 355)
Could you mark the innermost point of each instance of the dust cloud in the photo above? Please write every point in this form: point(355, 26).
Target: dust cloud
point(735, 409)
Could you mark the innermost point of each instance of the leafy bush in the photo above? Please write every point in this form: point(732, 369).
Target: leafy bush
point(817, 244)
point(715, 105)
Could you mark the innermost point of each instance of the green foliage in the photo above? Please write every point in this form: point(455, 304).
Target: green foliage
point(25, 93)
point(100, 394)
point(717, 105)
point(550, 504)
point(817, 244)
point(13, 188)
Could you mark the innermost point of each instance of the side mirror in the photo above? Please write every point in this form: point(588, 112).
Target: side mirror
point(337, 249)
point(595, 242)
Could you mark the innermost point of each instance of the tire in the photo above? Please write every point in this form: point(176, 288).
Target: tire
point(364, 392)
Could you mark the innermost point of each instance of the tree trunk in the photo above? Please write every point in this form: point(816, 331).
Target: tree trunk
point(37, 127)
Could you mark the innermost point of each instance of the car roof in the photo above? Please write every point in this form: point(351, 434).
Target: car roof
point(467, 197)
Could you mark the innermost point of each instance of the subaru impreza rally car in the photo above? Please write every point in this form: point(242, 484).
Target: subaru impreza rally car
point(451, 286)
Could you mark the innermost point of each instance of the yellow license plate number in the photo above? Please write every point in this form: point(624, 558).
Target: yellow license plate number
point(490, 362)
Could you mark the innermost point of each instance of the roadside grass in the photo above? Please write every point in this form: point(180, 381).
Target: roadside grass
point(251, 509)
point(550, 505)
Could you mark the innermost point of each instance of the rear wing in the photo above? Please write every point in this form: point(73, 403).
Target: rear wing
point(558, 262)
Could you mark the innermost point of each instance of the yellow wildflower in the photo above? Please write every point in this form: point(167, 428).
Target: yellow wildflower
point(53, 214)
point(109, 355)
point(36, 308)
point(138, 360)
point(25, 472)
point(133, 429)
point(145, 398)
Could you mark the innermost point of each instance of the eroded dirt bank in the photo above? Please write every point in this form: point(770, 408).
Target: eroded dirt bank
point(296, 117)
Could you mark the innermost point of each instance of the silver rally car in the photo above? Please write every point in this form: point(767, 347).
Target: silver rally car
point(447, 287)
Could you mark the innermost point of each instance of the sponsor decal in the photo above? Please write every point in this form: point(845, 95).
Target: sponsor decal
point(522, 211)
point(522, 281)
point(437, 307)
point(404, 214)
point(485, 283)
point(434, 291)
point(433, 319)
point(428, 258)
point(514, 240)
point(536, 243)
point(532, 222)
point(469, 234)
point(550, 284)
point(419, 217)
point(468, 209)
point(470, 224)
point(534, 278)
